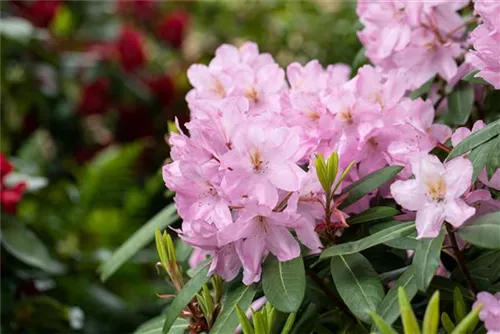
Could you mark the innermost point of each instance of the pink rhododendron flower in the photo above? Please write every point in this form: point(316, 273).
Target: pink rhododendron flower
point(486, 39)
point(490, 313)
point(435, 193)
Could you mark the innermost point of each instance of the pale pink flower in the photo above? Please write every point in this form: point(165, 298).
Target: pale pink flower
point(435, 193)
point(490, 313)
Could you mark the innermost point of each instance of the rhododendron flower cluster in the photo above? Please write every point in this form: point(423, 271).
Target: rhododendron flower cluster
point(490, 313)
point(486, 40)
point(10, 194)
point(243, 176)
point(423, 37)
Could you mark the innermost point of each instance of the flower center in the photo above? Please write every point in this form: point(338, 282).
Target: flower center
point(257, 161)
point(313, 115)
point(252, 95)
point(219, 88)
point(346, 115)
point(437, 189)
point(262, 223)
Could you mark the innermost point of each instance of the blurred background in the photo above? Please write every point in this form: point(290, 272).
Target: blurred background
point(89, 90)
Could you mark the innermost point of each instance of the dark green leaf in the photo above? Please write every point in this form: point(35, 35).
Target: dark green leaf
point(289, 323)
point(155, 325)
point(23, 244)
point(424, 89)
point(284, 283)
point(426, 260)
point(184, 297)
point(494, 158)
point(357, 283)
point(407, 242)
point(471, 77)
point(458, 305)
point(378, 238)
point(227, 320)
point(137, 241)
point(388, 309)
point(446, 287)
point(479, 157)
point(475, 139)
point(359, 60)
point(460, 103)
point(372, 214)
point(368, 183)
point(484, 231)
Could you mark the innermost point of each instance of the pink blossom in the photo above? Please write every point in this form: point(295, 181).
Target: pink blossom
point(435, 193)
point(490, 312)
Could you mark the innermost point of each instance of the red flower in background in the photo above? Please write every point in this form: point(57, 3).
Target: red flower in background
point(141, 9)
point(162, 87)
point(131, 50)
point(95, 98)
point(38, 12)
point(134, 123)
point(10, 196)
point(172, 28)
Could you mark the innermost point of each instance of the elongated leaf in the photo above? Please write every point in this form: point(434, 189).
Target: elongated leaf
point(475, 139)
point(289, 323)
point(424, 89)
point(246, 326)
point(484, 232)
point(467, 322)
point(479, 157)
point(407, 242)
point(357, 283)
point(388, 308)
point(155, 325)
point(458, 305)
point(137, 241)
point(446, 287)
point(24, 245)
point(378, 238)
point(494, 158)
point(447, 323)
point(431, 317)
point(460, 103)
point(471, 77)
point(372, 214)
point(184, 297)
point(284, 283)
point(426, 260)
point(383, 326)
point(369, 183)
point(227, 320)
point(359, 60)
point(408, 318)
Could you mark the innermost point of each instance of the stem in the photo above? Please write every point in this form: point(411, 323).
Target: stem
point(329, 293)
point(460, 259)
point(443, 147)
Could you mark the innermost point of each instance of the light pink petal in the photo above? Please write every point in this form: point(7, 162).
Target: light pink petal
point(281, 243)
point(308, 236)
point(459, 135)
point(429, 220)
point(408, 194)
point(457, 212)
point(440, 132)
point(265, 193)
point(458, 177)
point(286, 176)
point(237, 231)
point(251, 253)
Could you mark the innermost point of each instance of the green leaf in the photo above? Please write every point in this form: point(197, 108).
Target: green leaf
point(24, 245)
point(383, 326)
point(62, 23)
point(246, 326)
point(368, 183)
point(227, 320)
point(475, 139)
point(410, 323)
point(258, 323)
point(289, 323)
point(494, 158)
point(357, 283)
point(332, 168)
point(407, 242)
point(137, 241)
point(424, 89)
point(479, 157)
point(426, 260)
point(388, 309)
point(321, 171)
point(447, 323)
point(460, 103)
point(467, 322)
point(446, 288)
point(155, 325)
point(359, 60)
point(372, 214)
point(378, 238)
point(471, 77)
point(458, 305)
point(105, 181)
point(483, 232)
point(284, 283)
point(185, 296)
point(431, 317)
